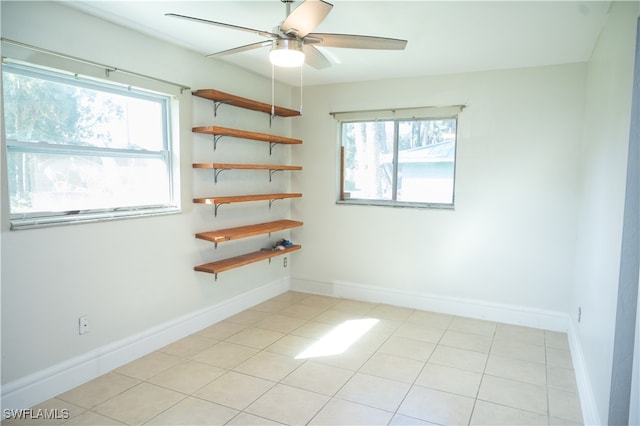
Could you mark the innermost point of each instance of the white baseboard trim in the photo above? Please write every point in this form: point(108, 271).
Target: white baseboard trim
point(538, 318)
point(45, 384)
point(585, 390)
point(510, 314)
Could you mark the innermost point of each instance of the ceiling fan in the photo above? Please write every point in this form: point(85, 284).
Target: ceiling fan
point(292, 42)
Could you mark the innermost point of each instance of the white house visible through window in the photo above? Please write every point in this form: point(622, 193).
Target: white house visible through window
point(82, 149)
point(401, 162)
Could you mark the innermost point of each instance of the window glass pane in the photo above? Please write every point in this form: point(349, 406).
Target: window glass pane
point(58, 111)
point(368, 159)
point(423, 170)
point(60, 182)
point(81, 149)
point(426, 161)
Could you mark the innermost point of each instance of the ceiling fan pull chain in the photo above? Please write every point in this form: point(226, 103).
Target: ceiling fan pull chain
point(273, 90)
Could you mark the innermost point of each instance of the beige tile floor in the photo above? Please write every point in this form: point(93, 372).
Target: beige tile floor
point(410, 368)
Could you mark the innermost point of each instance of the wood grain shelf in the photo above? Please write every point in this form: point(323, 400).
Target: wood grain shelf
point(242, 260)
point(219, 132)
point(220, 98)
point(218, 201)
point(220, 167)
point(236, 233)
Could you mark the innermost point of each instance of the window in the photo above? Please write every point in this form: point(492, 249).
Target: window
point(399, 162)
point(81, 149)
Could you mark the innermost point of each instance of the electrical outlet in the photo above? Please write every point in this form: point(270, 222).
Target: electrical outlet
point(83, 324)
point(284, 262)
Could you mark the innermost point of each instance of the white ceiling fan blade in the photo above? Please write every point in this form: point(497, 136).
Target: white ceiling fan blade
point(315, 58)
point(353, 41)
point(306, 17)
point(222, 24)
point(241, 48)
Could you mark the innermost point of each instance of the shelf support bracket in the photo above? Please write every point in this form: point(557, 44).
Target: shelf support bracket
point(216, 138)
point(216, 173)
point(271, 172)
point(215, 277)
point(216, 105)
point(271, 146)
point(215, 209)
point(272, 201)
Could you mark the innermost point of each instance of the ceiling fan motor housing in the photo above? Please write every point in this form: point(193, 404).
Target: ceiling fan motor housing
point(287, 44)
point(286, 52)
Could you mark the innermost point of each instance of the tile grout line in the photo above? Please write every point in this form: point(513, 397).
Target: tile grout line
point(228, 370)
point(305, 361)
point(484, 372)
point(546, 378)
point(350, 377)
point(424, 364)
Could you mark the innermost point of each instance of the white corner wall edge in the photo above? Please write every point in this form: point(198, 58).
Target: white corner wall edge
point(45, 384)
point(510, 314)
point(590, 415)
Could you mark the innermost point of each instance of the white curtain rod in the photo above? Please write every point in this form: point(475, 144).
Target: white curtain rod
point(107, 68)
point(394, 110)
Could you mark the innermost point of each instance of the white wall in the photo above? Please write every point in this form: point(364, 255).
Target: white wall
point(510, 239)
point(130, 276)
point(601, 200)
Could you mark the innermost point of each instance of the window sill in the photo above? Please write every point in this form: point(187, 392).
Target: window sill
point(383, 203)
point(63, 219)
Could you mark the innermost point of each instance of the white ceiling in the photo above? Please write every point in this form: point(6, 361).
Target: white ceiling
point(443, 36)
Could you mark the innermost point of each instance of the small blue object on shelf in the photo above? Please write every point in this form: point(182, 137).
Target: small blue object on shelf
point(282, 244)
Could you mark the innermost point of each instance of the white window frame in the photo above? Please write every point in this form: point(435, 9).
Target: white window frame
point(168, 153)
point(395, 115)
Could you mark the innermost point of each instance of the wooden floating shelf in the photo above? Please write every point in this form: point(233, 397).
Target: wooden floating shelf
point(244, 166)
point(219, 132)
point(217, 201)
point(220, 167)
point(243, 198)
point(229, 234)
point(225, 98)
point(221, 98)
point(244, 134)
point(242, 260)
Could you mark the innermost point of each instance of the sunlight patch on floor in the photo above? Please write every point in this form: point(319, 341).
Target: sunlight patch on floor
point(339, 339)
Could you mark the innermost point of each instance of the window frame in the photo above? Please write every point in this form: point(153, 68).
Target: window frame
point(341, 200)
point(168, 152)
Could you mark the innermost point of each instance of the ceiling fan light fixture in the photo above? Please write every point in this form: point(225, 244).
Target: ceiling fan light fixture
point(286, 53)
